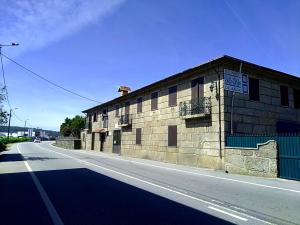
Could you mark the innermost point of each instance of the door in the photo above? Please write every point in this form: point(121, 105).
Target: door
point(102, 140)
point(289, 157)
point(117, 141)
point(93, 141)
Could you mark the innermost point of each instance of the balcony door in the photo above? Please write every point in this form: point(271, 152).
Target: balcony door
point(127, 108)
point(197, 87)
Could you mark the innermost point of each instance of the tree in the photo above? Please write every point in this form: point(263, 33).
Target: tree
point(3, 113)
point(72, 126)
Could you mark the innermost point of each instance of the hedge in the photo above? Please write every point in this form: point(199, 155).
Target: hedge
point(4, 141)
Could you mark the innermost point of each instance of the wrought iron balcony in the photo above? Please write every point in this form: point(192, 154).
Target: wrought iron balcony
point(125, 120)
point(195, 108)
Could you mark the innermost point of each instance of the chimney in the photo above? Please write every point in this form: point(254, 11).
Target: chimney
point(124, 90)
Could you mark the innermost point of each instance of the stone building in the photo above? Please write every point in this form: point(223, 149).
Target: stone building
point(185, 118)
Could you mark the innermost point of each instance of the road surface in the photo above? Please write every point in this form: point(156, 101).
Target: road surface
point(42, 184)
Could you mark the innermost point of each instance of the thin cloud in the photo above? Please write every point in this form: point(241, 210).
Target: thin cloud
point(35, 24)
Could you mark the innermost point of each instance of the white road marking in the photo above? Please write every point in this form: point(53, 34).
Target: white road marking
point(227, 213)
point(51, 210)
point(194, 173)
point(161, 187)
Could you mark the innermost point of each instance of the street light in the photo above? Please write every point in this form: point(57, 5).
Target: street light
point(9, 45)
point(8, 131)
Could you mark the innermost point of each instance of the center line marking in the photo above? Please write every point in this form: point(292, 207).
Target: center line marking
point(227, 213)
point(51, 210)
point(158, 186)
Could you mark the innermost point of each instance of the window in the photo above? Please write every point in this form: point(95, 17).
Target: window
point(284, 95)
point(296, 98)
point(173, 96)
point(253, 89)
point(139, 105)
point(117, 110)
point(95, 117)
point(138, 137)
point(197, 88)
point(154, 98)
point(127, 109)
point(172, 135)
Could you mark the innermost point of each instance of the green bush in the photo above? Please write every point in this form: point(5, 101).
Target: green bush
point(4, 141)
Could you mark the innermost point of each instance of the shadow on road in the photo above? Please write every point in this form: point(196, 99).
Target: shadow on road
point(18, 157)
point(84, 197)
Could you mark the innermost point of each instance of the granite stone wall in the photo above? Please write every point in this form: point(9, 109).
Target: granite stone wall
point(68, 143)
point(260, 161)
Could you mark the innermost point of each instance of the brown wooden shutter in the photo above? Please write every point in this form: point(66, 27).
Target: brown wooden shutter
point(117, 110)
point(127, 108)
point(173, 96)
point(296, 98)
point(172, 135)
point(139, 105)
point(200, 87)
point(253, 89)
point(284, 94)
point(154, 101)
point(197, 86)
point(138, 137)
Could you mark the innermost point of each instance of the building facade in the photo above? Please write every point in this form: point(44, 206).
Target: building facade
point(184, 119)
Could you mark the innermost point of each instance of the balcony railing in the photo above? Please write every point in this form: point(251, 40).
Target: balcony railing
point(195, 108)
point(125, 120)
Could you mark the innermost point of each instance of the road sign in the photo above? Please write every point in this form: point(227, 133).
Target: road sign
point(236, 82)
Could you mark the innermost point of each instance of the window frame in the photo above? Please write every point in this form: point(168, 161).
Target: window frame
point(172, 139)
point(139, 105)
point(138, 136)
point(284, 99)
point(117, 110)
point(296, 96)
point(254, 89)
point(173, 96)
point(154, 100)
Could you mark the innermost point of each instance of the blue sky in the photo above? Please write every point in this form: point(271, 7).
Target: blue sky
point(93, 46)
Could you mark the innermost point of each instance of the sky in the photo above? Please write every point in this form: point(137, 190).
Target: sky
point(93, 46)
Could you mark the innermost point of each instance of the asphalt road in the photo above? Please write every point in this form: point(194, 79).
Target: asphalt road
point(42, 184)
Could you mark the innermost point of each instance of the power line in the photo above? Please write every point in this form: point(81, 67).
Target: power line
point(5, 89)
point(48, 81)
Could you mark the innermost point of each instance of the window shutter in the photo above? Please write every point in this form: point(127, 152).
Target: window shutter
point(253, 89)
point(138, 136)
point(197, 88)
point(154, 98)
point(117, 110)
point(127, 105)
point(172, 135)
point(173, 96)
point(284, 94)
point(139, 105)
point(296, 98)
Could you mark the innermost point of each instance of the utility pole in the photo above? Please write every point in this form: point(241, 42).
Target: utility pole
point(8, 131)
point(10, 110)
point(9, 119)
